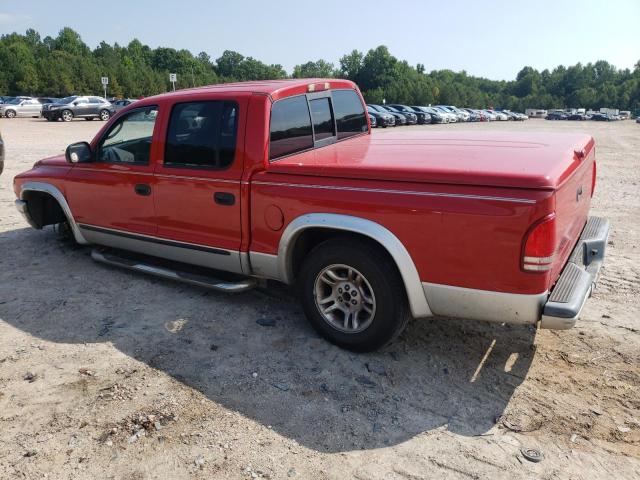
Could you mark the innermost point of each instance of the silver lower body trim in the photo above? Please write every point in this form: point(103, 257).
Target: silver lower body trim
point(264, 265)
point(230, 262)
point(469, 303)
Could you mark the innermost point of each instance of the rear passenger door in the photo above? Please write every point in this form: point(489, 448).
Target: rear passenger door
point(81, 107)
point(198, 180)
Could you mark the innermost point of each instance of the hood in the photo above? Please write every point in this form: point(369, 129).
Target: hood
point(55, 161)
point(508, 159)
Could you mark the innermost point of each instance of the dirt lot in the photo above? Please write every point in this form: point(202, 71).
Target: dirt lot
point(112, 375)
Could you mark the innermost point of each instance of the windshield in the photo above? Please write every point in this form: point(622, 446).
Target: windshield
point(66, 100)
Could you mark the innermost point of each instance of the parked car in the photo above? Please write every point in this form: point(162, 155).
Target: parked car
point(371, 232)
point(75, 106)
point(602, 117)
point(1, 154)
point(557, 116)
point(383, 119)
point(638, 119)
point(410, 118)
point(579, 116)
point(21, 107)
point(413, 117)
point(120, 104)
point(436, 116)
point(372, 120)
point(474, 115)
point(501, 116)
point(491, 117)
point(450, 117)
point(399, 118)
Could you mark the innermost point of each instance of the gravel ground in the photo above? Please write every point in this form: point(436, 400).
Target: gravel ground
point(113, 375)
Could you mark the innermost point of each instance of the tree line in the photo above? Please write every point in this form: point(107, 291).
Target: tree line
point(65, 65)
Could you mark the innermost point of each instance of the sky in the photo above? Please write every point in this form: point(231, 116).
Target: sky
point(488, 38)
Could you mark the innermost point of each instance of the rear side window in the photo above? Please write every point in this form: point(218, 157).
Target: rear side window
point(202, 135)
point(290, 127)
point(349, 111)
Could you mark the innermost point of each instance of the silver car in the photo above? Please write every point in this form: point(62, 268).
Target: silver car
point(120, 104)
point(21, 107)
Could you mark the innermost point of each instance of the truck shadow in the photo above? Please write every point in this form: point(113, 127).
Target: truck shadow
point(440, 373)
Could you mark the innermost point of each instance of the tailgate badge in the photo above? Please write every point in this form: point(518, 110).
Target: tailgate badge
point(578, 193)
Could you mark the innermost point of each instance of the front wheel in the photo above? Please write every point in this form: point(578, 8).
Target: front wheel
point(67, 115)
point(105, 115)
point(10, 114)
point(352, 294)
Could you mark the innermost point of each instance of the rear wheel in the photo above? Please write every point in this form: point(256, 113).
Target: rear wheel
point(352, 294)
point(10, 114)
point(105, 115)
point(67, 115)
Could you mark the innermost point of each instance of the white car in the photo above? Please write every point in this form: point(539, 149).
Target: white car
point(499, 115)
point(462, 114)
point(21, 107)
point(449, 117)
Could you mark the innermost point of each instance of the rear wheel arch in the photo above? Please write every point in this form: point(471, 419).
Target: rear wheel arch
point(312, 229)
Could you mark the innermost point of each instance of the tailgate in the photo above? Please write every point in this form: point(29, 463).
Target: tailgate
point(573, 199)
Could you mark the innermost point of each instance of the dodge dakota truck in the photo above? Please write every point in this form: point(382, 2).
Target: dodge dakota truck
point(227, 185)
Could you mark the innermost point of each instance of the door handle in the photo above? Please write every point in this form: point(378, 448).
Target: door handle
point(224, 198)
point(143, 189)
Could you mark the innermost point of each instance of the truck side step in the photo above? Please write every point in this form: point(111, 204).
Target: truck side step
point(147, 266)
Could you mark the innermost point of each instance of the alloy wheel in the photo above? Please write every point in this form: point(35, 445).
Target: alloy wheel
point(344, 298)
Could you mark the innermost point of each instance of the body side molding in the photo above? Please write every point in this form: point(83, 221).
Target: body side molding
point(62, 201)
point(375, 231)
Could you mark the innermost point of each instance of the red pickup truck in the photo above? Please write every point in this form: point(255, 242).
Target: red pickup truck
point(283, 180)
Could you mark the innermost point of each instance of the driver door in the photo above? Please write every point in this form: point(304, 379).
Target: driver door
point(114, 194)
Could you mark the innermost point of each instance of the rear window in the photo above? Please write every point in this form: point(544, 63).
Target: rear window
point(202, 135)
point(323, 125)
point(290, 127)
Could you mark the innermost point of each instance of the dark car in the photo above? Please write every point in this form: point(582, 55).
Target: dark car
point(421, 117)
point(372, 121)
point(75, 106)
point(383, 119)
point(1, 154)
point(578, 116)
point(436, 116)
point(602, 117)
point(400, 119)
point(557, 116)
point(410, 118)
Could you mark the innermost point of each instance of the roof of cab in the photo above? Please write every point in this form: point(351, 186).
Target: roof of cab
point(274, 88)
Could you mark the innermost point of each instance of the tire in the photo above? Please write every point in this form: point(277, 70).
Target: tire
point(66, 115)
point(352, 264)
point(10, 114)
point(105, 115)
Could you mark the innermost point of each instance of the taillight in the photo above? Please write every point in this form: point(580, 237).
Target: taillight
point(593, 178)
point(540, 244)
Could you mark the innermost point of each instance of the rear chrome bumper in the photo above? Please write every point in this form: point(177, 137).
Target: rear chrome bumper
point(578, 278)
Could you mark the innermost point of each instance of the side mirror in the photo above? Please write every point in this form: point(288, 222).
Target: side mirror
point(78, 153)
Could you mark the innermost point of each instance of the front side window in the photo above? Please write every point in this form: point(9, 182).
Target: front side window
point(129, 139)
point(290, 129)
point(202, 135)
